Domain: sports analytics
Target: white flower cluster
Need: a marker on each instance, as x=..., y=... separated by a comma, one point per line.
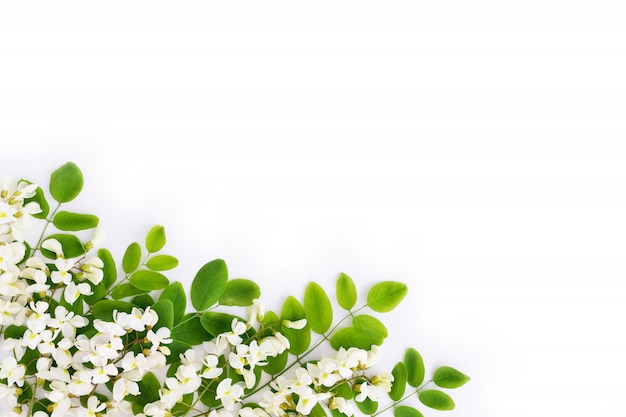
x=13, y=211
x=312, y=384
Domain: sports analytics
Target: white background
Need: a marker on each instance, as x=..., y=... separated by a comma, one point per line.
x=472, y=149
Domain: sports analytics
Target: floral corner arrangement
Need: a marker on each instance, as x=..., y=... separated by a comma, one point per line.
x=83, y=335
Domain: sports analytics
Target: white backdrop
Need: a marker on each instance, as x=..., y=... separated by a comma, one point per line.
x=472, y=149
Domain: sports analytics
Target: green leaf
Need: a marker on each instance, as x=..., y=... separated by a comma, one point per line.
x=131, y=258
x=176, y=294
x=351, y=337
x=149, y=280
x=64, y=220
x=109, y=269
x=317, y=411
x=165, y=311
x=209, y=284
x=216, y=323
x=346, y=292
x=406, y=411
x=14, y=332
x=207, y=395
x=66, y=183
x=155, y=240
x=190, y=331
x=299, y=340
x=182, y=408
x=317, y=308
x=240, y=292
x=276, y=364
x=126, y=290
x=99, y=291
x=39, y=198
x=367, y=406
x=176, y=348
x=415, y=367
x=162, y=263
x=447, y=377
x=370, y=326
x=72, y=247
x=103, y=309
x=398, y=386
x=386, y=295
x=149, y=387
x=143, y=301
x=436, y=399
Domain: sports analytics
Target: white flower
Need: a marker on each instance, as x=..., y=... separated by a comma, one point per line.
x=340, y=404
x=124, y=387
x=256, y=312
x=137, y=319
x=12, y=371
x=53, y=245
x=9, y=395
x=252, y=412
x=172, y=393
x=67, y=322
x=212, y=370
x=162, y=335
x=156, y=409
x=229, y=394
x=81, y=383
x=325, y=372
x=308, y=399
x=94, y=406
x=73, y=291
x=234, y=336
x=297, y=325
x=383, y=381
x=368, y=391
x=91, y=269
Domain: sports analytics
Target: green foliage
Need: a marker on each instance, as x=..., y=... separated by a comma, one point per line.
x=351, y=337
x=66, y=183
x=165, y=311
x=398, y=386
x=346, y=292
x=216, y=323
x=190, y=331
x=370, y=327
x=126, y=290
x=143, y=301
x=276, y=364
x=406, y=411
x=72, y=246
x=132, y=257
x=447, y=377
x=386, y=295
x=39, y=198
x=415, y=367
x=149, y=280
x=436, y=399
x=367, y=406
x=155, y=240
x=299, y=339
x=64, y=220
x=317, y=308
x=176, y=295
x=240, y=292
x=162, y=263
x=209, y=284
x=104, y=309
x=109, y=269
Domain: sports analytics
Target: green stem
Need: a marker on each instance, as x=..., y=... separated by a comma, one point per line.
x=48, y=221
x=395, y=404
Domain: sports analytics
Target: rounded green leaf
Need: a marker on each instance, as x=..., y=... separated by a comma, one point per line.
x=209, y=284
x=155, y=240
x=131, y=258
x=414, y=366
x=149, y=280
x=66, y=183
x=351, y=337
x=39, y=198
x=143, y=301
x=406, y=411
x=165, y=311
x=240, y=292
x=346, y=292
x=162, y=263
x=109, y=269
x=370, y=326
x=367, y=406
x=65, y=220
x=126, y=290
x=398, y=386
x=436, y=399
x=274, y=364
x=386, y=295
x=299, y=339
x=176, y=294
x=103, y=310
x=149, y=387
x=72, y=247
x=317, y=308
x=190, y=331
x=217, y=323
x=447, y=377
x=98, y=293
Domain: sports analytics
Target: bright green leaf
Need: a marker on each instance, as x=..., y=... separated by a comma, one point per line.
x=142, y=301
x=190, y=331
x=386, y=295
x=103, y=310
x=447, y=377
x=131, y=258
x=39, y=198
x=165, y=311
x=72, y=247
x=398, y=386
x=276, y=364
x=240, y=292
x=98, y=293
x=64, y=220
x=436, y=399
x=414, y=366
x=317, y=411
x=346, y=292
x=367, y=406
x=149, y=280
x=162, y=263
x=109, y=269
x=176, y=294
x=406, y=411
x=126, y=290
x=209, y=284
x=149, y=386
x=351, y=337
x=299, y=340
x=370, y=326
x=66, y=183
x=217, y=323
x=155, y=240
x=317, y=308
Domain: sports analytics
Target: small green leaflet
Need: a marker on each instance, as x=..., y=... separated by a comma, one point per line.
x=176, y=294
x=109, y=269
x=406, y=411
x=132, y=257
x=66, y=183
x=162, y=263
x=346, y=292
x=385, y=296
x=240, y=292
x=415, y=367
x=72, y=247
x=398, y=386
x=65, y=220
x=436, y=399
x=447, y=377
x=209, y=284
x=149, y=280
x=155, y=240
x=317, y=308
